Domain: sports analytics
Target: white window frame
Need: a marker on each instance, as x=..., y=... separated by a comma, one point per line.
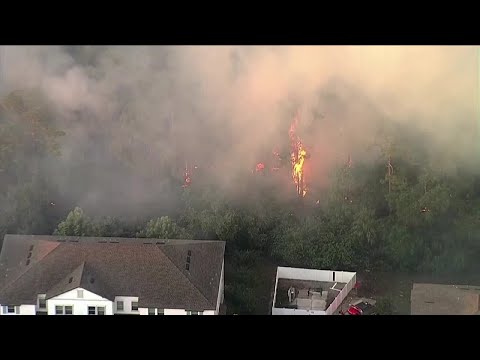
x=123, y=305
x=63, y=307
x=191, y=312
x=42, y=297
x=96, y=310
x=5, y=308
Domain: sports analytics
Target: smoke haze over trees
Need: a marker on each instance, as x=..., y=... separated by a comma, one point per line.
x=109, y=130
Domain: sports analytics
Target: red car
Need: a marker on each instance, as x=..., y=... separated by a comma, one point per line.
x=362, y=308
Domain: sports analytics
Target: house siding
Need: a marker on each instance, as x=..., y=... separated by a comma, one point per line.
x=20, y=310
x=127, y=305
x=80, y=306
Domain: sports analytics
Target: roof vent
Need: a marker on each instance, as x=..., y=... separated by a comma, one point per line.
x=188, y=259
x=29, y=255
x=114, y=242
x=187, y=267
x=189, y=252
x=70, y=280
x=74, y=241
x=147, y=243
x=160, y=243
x=31, y=248
x=102, y=241
x=92, y=280
x=61, y=240
x=28, y=262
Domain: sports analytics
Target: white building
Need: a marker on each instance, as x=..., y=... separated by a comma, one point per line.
x=105, y=276
x=310, y=292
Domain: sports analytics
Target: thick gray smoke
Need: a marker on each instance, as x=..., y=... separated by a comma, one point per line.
x=134, y=115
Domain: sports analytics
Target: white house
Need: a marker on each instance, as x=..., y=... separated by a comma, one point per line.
x=310, y=292
x=57, y=275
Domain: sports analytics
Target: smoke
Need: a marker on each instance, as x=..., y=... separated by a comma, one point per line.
x=133, y=115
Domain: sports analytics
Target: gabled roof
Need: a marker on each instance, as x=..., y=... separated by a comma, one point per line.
x=69, y=282
x=152, y=269
x=439, y=299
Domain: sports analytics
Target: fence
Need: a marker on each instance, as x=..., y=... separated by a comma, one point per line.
x=314, y=275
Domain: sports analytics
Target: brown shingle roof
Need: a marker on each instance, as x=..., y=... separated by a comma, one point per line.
x=438, y=299
x=154, y=270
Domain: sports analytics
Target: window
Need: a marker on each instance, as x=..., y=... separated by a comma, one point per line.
x=151, y=311
x=80, y=294
x=92, y=310
x=134, y=305
x=119, y=305
x=10, y=309
x=160, y=312
x=42, y=303
x=63, y=310
x=189, y=312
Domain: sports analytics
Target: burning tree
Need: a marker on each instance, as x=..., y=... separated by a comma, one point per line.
x=298, y=156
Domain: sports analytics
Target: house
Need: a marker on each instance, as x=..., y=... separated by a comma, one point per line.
x=310, y=292
x=58, y=275
x=439, y=299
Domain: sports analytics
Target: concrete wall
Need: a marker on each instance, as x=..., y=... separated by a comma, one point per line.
x=276, y=311
x=313, y=275
x=342, y=295
x=347, y=277
x=80, y=305
x=183, y=312
x=220, y=290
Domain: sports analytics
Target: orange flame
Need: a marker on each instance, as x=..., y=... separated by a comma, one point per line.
x=187, y=176
x=298, y=158
x=260, y=167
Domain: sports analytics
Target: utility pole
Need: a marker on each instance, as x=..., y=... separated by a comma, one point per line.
x=477, y=127
x=390, y=173
x=2, y=69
